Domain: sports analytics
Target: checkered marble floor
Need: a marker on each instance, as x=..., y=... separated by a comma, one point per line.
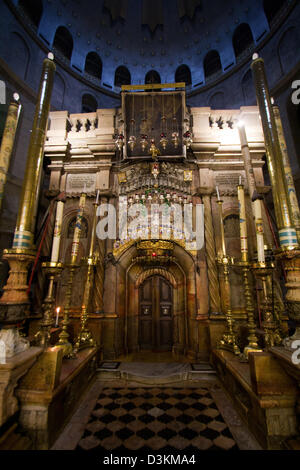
x=158, y=419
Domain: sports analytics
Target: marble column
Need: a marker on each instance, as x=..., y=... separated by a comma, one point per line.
x=212, y=269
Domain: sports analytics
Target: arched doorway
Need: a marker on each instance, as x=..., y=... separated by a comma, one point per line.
x=155, y=329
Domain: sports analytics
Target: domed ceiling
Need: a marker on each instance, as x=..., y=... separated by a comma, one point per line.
x=153, y=34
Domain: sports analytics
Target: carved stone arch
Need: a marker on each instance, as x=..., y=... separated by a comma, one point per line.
x=58, y=94
x=287, y=49
x=248, y=88
x=217, y=99
x=155, y=272
x=19, y=54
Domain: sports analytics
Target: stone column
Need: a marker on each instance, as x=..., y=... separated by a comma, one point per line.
x=8, y=140
x=212, y=269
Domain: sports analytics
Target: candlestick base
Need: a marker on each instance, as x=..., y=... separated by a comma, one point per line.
x=85, y=339
x=64, y=335
x=272, y=328
x=228, y=340
x=42, y=337
x=252, y=345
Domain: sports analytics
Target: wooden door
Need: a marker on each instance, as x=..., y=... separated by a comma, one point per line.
x=155, y=315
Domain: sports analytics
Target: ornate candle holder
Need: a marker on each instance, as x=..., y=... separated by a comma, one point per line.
x=263, y=271
x=85, y=338
x=252, y=338
x=64, y=335
x=228, y=340
x=42, y=337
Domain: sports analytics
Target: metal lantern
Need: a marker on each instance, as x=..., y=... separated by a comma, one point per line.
x=175, y=139
x=132, y=142
x=163, y=140
x=187, y=139
x=144, y=142
x=119, y=141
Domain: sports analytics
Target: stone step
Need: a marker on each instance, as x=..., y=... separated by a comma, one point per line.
x=155, y=373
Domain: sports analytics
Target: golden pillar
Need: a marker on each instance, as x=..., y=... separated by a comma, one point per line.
x=7, y=142
x=295, y=212
x=23, y=250
x=287, y=233
x=289, y=253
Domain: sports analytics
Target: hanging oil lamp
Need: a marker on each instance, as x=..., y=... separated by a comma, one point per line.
x=175, y=133
x=132, y=138
x=144, y=142
x=163, y=140
x=175, y=139
x=163, y=131
x=154, y=150
x=187, y=139
x=119, y=141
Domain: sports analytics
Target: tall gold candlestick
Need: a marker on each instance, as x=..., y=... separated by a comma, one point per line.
x=287, y=233
x=23, y=252
x=295, y=212
x=252, y=338
x=243, y=223
x=64, y=335
x=57, y=231
x=256, y=200
x=263, y=271
x=77, y=231
x=7, y=142
x=228, y=340
x=42, y=337
x=220, y=204
x=24, y=232
x=85, y=338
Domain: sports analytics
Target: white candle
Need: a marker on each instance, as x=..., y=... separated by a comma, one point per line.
x=240, y=181
x=57, y=232
x=218, y=194
x=76, y=238
x=97, y=198
x=259, y=231
x=243, y=222
x=57, y=315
